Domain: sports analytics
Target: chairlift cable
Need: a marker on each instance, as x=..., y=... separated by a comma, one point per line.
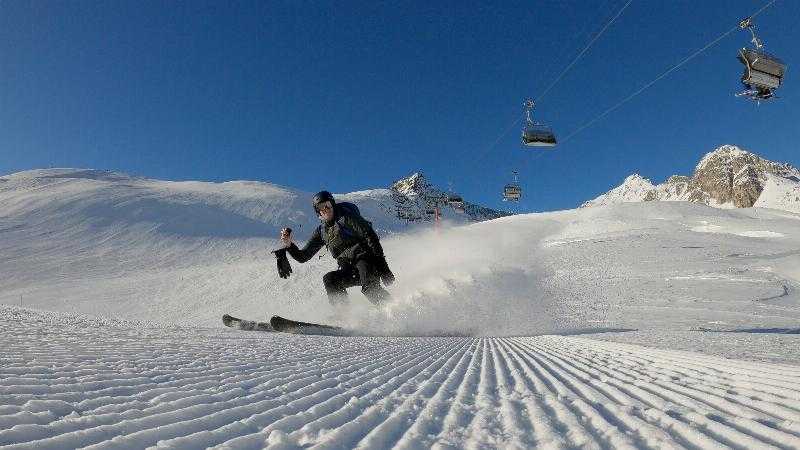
x=486, y=151
x=664, y=74
x=762, y=9
x=574, y=44
x=533, y=158
x=585, y=49
x=570, y=65
x=496, y=141
x=722, y=36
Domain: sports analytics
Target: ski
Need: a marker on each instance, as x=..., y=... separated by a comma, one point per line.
x=284, y=325
x=247, y=325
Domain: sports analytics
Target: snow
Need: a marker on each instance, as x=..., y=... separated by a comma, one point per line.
x=633, y=189
x=780, y=193
x=635, y=325
x=710, y=228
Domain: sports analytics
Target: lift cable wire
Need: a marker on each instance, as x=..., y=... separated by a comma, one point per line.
x=623, y=101
x=585, y=49
x=484, y=153
x=573, y=46
x=566, y=69
x=684, y=61
x=664, y=74
x=517, y=120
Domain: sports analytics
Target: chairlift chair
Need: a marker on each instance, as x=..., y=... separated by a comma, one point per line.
x=763, y=73
x=456, y=202
x=536, y=134
x=512, y=192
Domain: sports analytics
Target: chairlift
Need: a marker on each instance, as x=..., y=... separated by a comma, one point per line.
x=763, y=73
x=512, y=192
x=536, y=134
x=455, y=201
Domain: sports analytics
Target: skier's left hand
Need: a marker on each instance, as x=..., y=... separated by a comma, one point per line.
x=387, y=278
x=284, y=268
x=383, y=268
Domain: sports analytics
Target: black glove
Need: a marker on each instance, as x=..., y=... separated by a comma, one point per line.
x=284, y=268
x=383, y=269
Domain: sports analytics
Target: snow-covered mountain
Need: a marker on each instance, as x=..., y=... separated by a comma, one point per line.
x=633, y=189
x=416, y=200
x=727, y=177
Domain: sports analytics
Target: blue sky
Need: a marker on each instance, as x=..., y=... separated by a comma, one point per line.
x=352, y=95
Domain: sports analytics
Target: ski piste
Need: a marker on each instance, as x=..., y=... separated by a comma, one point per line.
x=283, y=325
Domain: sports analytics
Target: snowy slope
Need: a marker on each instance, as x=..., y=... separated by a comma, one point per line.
x=101, y=242
x=780, y=193
x=180, y=252
x=113, y=288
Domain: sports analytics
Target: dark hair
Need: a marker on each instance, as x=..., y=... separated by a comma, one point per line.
x=322, y=197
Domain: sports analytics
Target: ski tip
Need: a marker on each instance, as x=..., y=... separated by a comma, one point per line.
x=228, y=320
x=246, y=325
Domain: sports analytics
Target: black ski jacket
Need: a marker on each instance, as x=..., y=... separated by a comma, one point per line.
x=349, y=237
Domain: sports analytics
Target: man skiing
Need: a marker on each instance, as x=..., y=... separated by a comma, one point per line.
x=352, y=242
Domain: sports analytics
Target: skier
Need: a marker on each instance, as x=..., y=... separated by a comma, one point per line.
x=352, y=242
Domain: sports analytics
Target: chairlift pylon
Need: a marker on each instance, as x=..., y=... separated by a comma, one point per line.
x=763, y=73
x=536, y=134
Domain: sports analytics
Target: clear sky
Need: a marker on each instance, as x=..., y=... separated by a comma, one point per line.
x=353, y=95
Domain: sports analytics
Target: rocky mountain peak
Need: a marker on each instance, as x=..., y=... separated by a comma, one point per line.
x=732, y=175
x=416, y=199
x=728, y=176
x=724, y=155
x=414, y=184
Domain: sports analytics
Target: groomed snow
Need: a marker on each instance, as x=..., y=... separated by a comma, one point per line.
x=639, y=325
x=71, y=382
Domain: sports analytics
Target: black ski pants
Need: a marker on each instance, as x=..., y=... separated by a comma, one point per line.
x=363, y=274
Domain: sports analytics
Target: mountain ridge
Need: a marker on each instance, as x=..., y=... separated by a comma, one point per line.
x=204, y=208
x=423, y=202
x=727, y=177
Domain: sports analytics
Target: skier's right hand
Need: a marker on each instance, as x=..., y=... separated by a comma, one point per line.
x=286, y=237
